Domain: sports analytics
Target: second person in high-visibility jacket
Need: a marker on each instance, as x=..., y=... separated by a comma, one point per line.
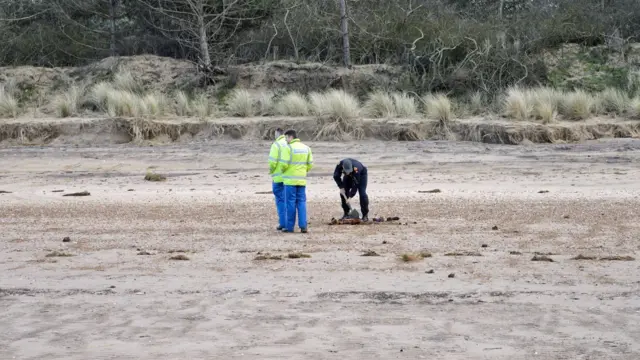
x=275, y=157
x=297, y=161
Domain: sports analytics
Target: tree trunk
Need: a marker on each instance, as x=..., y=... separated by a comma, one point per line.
x=500, y=9
x=204, y=41
x=112, y=14
x=346, y=53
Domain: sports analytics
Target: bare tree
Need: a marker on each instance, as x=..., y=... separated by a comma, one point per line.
x=344, y=26
x=198, y=23
x=113, y=4
x=89, y=23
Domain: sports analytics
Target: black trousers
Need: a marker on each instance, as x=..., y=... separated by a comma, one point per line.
x=360, y=188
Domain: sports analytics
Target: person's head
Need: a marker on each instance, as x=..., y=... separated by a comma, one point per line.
x=279, y=132
x=290, y=135
x=347, y=166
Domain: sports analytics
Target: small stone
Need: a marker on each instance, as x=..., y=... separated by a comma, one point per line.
x=566, y=216
x=112, y=287
x=430, y=271
x=452, y=275
x=485, y=245
x=66, y=239
x=370, y=253
x=384, y=242
x=495, y=227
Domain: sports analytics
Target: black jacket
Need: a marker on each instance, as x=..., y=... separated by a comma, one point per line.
x=358, y=171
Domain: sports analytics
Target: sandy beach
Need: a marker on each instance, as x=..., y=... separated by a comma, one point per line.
x=118, y=294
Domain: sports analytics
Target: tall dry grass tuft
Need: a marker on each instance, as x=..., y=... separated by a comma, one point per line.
x=125, y=81
x=183, y=105
x=116, y=102
x=155, y=104
x=293, y=104
x=202, y=106
x=264, y=104
x=405, y=105
x=544, y=102
x=438, y=107
x=338, y=112
x=545, y=111
x=516, y=104
x=577, y=105
x=633, y=83
x=634, y=107
x=476, y=103
x=240, y=103
x=9, y=106
x=335, y=105
x=69, y=103
x=124, y=103
x=99, y=95
x=613, y=101
x=379, y=104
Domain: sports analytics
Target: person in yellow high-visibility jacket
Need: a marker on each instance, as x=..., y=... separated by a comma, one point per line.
x=297, y=161
x=275, y=157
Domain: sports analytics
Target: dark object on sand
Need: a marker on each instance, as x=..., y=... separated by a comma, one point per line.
x=82, y=193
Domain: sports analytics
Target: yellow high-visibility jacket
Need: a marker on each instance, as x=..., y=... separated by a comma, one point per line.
x=297, y=161
x=275, y=158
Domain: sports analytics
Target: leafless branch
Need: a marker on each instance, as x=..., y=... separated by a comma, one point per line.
x=23, y=18
x=275, y=28
x=293, y=42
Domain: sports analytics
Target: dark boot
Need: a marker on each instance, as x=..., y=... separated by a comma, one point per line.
x=303, y=230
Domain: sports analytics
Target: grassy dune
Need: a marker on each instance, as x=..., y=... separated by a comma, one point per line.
x=535, y=114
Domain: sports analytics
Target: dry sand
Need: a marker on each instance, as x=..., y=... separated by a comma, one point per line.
x=107, y=302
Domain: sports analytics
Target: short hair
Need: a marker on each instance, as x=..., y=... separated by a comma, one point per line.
x=291, y=132
x=279, y=131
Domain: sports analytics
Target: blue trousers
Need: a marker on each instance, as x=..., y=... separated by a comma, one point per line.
x=278, y=192
x=296, y=199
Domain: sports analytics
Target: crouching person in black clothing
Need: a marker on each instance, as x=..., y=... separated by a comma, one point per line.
x=355, y=180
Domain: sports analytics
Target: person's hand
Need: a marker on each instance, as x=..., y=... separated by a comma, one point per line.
x=343, y=192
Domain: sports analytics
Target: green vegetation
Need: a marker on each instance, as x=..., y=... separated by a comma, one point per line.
x=449, y=46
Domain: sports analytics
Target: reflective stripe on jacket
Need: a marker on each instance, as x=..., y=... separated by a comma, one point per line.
x=275, y=158
x=297, y=161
